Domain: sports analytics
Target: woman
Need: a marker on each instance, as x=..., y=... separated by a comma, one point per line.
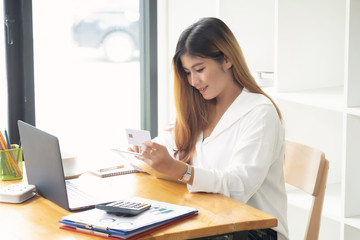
x=228, y=137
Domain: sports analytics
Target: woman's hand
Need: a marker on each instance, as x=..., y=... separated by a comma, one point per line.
x=158, y=157
x=134, y=149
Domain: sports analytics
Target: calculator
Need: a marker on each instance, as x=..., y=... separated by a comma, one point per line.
x=124, y=207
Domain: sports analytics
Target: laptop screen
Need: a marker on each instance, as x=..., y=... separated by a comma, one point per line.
x=43, y=163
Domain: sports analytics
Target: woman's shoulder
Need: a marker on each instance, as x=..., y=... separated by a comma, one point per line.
x=259, y=106
x=257, y=98
x=247, y=102
x=264, y=111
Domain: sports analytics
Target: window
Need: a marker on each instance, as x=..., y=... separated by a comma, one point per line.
x=66, y=60
x=87, y=71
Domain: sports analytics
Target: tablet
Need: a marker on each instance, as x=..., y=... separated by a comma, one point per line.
x=126, y=152
x=142, y=166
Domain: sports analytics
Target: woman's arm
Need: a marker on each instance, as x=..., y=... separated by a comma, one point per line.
x=250, y=159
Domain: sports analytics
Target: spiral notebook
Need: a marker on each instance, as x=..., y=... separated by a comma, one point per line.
x=114, y=171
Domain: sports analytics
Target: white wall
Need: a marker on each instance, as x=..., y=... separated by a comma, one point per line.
x=253, y=25
x=310, y=34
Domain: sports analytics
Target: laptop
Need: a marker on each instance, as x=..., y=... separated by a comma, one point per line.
x=44, y=169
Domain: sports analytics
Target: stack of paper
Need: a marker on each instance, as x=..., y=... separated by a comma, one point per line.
x=98, y=222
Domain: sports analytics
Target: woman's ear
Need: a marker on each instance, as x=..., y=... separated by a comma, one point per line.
x=227, y=63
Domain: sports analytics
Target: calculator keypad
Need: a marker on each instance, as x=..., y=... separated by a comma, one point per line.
x=124, y=207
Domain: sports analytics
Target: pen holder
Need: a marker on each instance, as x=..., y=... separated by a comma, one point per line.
x=11, y=166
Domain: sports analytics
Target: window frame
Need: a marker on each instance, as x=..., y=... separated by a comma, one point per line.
x=19, y=64
x=149, y=66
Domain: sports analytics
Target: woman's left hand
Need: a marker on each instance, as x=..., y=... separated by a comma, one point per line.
x=157, y=156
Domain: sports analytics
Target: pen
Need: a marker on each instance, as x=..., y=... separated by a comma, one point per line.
x=7, y=140
x=111, y=168
x=3, y=142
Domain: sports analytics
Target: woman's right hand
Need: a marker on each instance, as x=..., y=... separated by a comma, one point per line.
x=158, y=157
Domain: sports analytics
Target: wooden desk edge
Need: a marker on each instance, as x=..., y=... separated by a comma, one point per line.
x=179, y=230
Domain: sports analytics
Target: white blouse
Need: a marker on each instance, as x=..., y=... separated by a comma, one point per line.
x=243, y=157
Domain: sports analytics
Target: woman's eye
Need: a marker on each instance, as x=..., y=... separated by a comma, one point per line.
x=187, y=73
x=200, y=70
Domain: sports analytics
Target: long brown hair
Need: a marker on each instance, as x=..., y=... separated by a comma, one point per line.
x=207, y=38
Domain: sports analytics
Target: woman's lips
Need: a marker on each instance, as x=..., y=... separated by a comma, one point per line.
x=203, y=90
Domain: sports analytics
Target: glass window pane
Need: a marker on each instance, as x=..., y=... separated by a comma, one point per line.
x=3, y=81
x=87, y=71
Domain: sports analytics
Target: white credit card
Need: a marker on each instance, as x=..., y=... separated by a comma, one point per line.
x=137, y=137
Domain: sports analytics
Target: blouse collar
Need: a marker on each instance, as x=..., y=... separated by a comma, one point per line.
x=244, y=103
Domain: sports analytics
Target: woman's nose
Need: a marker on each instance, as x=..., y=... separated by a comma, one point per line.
x=193, y=80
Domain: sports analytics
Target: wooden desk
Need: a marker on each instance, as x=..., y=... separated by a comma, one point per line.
x=38, y=218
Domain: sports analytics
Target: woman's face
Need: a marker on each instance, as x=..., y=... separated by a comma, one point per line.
x=209, y=77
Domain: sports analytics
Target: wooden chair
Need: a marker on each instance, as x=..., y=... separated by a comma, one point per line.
x=306, y=168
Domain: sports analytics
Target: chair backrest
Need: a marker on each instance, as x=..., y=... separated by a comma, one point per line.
x=306, y=168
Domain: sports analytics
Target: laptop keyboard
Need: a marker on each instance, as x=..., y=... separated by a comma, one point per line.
x=78, y=197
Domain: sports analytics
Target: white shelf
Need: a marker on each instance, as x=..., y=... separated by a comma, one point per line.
x=326, y=98
x=353, y=111
x=317, y=89
x=332, y=201
x=332, y=207
x=353, y=221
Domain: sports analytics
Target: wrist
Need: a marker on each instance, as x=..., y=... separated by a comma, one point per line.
x=187, y=175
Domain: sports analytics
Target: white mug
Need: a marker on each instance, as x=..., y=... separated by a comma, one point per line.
x=69, y=164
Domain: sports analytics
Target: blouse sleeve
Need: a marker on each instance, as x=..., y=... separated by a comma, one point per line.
x=251, y=158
